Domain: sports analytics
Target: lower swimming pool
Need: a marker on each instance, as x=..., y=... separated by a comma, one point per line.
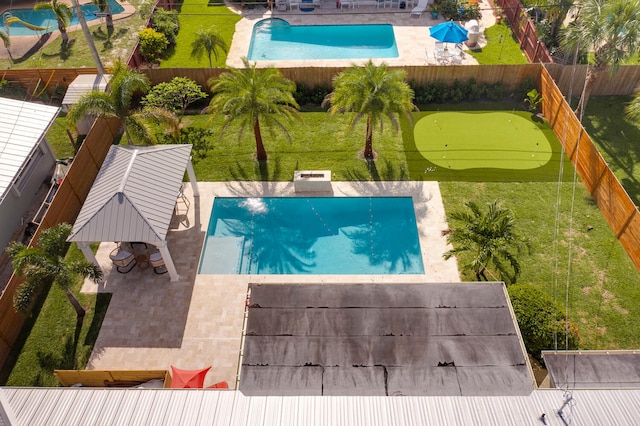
x=315, y=235
x=46, y=18
x=276, y=39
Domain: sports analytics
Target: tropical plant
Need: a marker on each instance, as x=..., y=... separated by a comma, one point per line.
x=534, y=99
x=62, y=13
x=152, y=44
x=175, y=95
x=489, y=238
x=118, y=103
x=250, y=96
x=373, y=92
x=45, y=264
x=549, y=15
x=208, y=41
x=609, y=28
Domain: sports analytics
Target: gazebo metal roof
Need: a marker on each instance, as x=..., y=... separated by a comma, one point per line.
x=134, y=195
x=133, y=198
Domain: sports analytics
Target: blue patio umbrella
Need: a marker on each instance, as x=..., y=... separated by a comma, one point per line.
x=448, y=32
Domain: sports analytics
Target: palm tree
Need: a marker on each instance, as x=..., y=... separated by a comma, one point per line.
x=490, y=238
x=249, y=96
x=104, y=7
x=208, y=40
x=45, y=264
x=63, y=16
x=373, y=92
x=632, y=110
x=118, y=103
x=609, y=28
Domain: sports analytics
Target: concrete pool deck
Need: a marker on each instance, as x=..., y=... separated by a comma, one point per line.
x=197, y=321
x=411, y=33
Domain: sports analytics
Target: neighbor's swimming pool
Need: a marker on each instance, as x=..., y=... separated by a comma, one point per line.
x=46, y=18
x=276, y=39
x=315, y=235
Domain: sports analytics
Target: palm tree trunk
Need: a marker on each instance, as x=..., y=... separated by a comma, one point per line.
x=80, y=312
x=261, y=153
x=109, y=19
x=368, y=144
x=592, y=77
x=87, y=36
x=63, y=32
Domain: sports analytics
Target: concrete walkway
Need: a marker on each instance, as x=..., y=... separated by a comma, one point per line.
x=198, y=321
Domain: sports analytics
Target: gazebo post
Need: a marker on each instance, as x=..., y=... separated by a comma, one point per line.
x=88, y=254
x=192, y=178
x=168, y=261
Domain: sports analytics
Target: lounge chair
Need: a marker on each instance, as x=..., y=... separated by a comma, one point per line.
x=123, y=260
x=421, y=8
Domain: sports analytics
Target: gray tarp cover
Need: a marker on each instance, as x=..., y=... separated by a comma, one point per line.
x=398, y=339
x=593, y=370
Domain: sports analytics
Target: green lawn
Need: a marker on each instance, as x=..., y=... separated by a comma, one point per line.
x=501, y=48
x=194, y=15
x=604, y=285
x=77, y=53
x=52, y=340
x=616, y=138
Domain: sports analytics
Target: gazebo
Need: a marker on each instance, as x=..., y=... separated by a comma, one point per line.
x=133, y=198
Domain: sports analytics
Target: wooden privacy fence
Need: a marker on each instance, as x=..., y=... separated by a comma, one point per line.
x=624, y=82
x=525, y=31
x=614, y=202
x=570, y=79
x=64, y=208
x=509, y=75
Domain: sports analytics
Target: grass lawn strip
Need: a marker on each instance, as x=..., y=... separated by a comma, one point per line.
x=194, y=15
x=501, y=48
x=55, y=342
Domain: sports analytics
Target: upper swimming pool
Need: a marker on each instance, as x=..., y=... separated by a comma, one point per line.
x=46, y=20
x=276, y=39
x=315, y=235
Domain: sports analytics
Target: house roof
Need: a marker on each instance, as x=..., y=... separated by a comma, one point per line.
x=134, y=194
x=84, y=84
x=593, y=369
x=395, y=340
x=22, y=125
x=82, y=406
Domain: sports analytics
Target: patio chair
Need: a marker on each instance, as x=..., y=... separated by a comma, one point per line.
x=182, y=198
x=293, y=3
x=420, y=8
x=348, y=3
x=157, y=263
x=123, y=260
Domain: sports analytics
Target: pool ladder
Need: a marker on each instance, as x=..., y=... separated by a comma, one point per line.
x=5, y=17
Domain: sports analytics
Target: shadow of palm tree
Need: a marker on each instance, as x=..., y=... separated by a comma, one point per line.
x=380, y=243
x=273, y=245
x=33, y=49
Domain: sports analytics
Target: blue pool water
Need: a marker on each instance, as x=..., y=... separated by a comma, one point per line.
x=275, y=39
x=316, y=235
x=46, y=18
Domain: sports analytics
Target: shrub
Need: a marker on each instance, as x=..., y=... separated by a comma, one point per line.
x=199, y=138
x=540, y=320
x=166, y=22
x=305, y=95
x=152, y=44
x=175, y=95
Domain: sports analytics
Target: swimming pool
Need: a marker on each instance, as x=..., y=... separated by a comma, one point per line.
x=276, y=39
x=46, y=18
x=315, y=235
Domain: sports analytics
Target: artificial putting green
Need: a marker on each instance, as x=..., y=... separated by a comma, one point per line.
x=478, y=139
x=482, y=146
